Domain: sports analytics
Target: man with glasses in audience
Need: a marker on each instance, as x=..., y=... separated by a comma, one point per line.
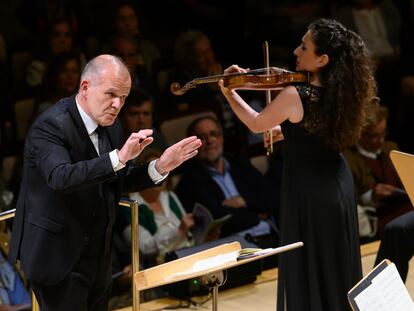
x=226, y=184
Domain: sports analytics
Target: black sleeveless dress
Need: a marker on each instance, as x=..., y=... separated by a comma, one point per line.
x=319, y=208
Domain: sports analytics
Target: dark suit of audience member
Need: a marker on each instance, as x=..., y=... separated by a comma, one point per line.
x=397, y=243
x=75, y=170
x=225, y=184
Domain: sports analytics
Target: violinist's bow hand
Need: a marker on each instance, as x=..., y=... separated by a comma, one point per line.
x=277, y=135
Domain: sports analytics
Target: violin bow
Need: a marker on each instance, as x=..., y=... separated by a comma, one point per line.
x=269, y=149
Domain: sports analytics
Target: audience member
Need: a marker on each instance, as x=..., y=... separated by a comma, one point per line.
x=128, y=21
x=379, y=25
x=138, y=113
x=61, y=80
x=125, y=46
x=13, y=293
x=60, y=39
x=377, y=22
x=163, y=223
x=397, y=243
x=194, y=57
x=376, y=180
x=226, y=185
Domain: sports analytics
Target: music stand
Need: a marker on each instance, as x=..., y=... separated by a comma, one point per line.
x=404, y=165
x=208, y=264
x=380, y=290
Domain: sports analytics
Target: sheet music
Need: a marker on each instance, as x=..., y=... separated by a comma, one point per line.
x=387, y=292
x=215, y=261
x=205, y=264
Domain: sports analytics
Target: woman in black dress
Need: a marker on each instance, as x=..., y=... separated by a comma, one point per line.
x=318, y=120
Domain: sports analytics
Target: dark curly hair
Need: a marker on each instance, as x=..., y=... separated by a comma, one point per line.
x=348, y=85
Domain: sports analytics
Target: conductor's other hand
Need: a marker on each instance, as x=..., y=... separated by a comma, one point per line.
x=277, y=135
x=134, y=145
x=175, y=155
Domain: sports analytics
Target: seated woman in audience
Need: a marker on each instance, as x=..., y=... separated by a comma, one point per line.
x=62, y=80
x=60, y=39
x=163, y=223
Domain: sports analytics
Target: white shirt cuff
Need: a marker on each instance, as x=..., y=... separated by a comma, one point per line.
x=116, y=164
x=154, y=174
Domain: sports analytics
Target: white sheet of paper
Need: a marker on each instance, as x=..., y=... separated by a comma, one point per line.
x=206, y=264
x=387, y=292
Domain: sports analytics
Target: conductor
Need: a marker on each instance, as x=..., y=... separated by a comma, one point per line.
x=75, y=169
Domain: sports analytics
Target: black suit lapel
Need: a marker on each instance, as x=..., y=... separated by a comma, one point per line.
x=80, y=126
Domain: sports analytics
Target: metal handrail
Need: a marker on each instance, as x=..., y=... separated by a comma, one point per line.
x=133, y=204
x=7, y=214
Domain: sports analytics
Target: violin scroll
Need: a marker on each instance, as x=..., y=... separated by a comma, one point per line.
x=176, y=88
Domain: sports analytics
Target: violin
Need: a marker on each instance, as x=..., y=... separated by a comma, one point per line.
x=271, y=78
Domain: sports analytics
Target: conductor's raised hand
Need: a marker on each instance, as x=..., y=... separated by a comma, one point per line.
x=175, y=155
x=134, y=145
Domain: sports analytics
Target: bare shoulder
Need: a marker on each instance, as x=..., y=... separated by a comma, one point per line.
x=290, y=89
x=289, y=97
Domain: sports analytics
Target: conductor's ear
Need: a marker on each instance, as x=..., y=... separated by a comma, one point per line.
x=84, y=87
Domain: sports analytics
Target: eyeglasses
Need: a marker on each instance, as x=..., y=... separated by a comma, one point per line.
x=204, y=137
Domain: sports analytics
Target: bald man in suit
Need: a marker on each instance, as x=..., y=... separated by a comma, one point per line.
x=75, y=169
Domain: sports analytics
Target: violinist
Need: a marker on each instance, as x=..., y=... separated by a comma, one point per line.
x=317, y=120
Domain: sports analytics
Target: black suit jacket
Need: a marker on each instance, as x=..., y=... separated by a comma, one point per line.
x=68, y=193
x=197, y=185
